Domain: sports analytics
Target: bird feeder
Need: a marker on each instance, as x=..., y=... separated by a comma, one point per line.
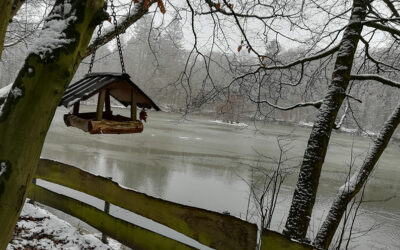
x=103, y=121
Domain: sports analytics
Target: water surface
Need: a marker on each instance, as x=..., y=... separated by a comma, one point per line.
x=204, y=164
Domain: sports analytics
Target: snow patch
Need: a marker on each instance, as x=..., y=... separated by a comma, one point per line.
x=231, y=124
x=3, y=168
x=306, y=124
x=350, y=185
x=348, y=130
x=16, y=92
x=5, y=90
x=3, y=95
x=67, y=7
x=39, y=229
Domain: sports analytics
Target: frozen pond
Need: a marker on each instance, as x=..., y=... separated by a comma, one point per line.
x=202, y=163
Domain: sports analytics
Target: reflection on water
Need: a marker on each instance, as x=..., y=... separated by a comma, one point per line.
x=203, y=164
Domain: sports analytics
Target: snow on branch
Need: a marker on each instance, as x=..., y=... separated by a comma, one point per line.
x=316, y=104
x=53, y=35
x=380, y=20
x=3, y=96
x=137, y=11
x=383, y=80
x=339, y=124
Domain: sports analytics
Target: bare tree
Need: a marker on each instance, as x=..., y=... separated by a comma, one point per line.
x=356, y=182
x=266, y=183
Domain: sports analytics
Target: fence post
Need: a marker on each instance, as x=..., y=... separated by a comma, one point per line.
x=32, y=201
x=107, y=211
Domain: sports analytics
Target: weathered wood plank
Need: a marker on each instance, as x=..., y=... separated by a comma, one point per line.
x=76, y=108
x=100, y=105
x=130, y=235
x=108, y=103
x=115, y=127
x=133, y=106
x=77, y=122
x=209, y=228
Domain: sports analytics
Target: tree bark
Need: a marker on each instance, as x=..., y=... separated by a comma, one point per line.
x=356, y=182
x=5, y=11
x=29, y=108
x=306, y=189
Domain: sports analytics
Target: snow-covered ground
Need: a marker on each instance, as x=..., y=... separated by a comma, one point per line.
x=39, y=229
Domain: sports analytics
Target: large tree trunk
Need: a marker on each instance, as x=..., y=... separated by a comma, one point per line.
x=5, y=12
x=306, y=189
x=29, y=108
x=356, y=182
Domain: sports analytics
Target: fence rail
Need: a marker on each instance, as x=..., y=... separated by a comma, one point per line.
x=212, y=229
x=130, y=235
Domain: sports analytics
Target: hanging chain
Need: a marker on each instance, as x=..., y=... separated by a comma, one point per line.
x=96, y=44
x=121, y=57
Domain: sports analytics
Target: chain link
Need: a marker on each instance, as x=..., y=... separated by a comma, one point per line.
x=96, y=44
x=121, y=57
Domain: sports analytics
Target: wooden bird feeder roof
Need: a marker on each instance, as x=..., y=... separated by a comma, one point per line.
x=118, y=85
x=106, y=85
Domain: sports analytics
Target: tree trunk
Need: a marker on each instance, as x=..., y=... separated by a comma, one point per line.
x=5, y=12
x=356, y=182
x=29, y=108
x=306, y=189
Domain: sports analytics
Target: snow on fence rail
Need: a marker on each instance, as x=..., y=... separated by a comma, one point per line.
x=212, y=229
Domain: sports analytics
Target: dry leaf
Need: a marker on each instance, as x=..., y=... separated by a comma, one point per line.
x=239, y=48
x=249, y=49
x=146, y=4
x=135, y=1
x=109, y=19
x=262, y=58
x=217, y=6
x=161, y=6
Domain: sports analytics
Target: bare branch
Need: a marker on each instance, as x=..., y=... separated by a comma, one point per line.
x=304, y=60
x=383, y=80
x=383, y=28
x=392, y=8
x=316, y=104
x=137, y=12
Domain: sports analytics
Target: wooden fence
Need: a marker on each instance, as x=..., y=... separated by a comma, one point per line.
x=212, y=229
